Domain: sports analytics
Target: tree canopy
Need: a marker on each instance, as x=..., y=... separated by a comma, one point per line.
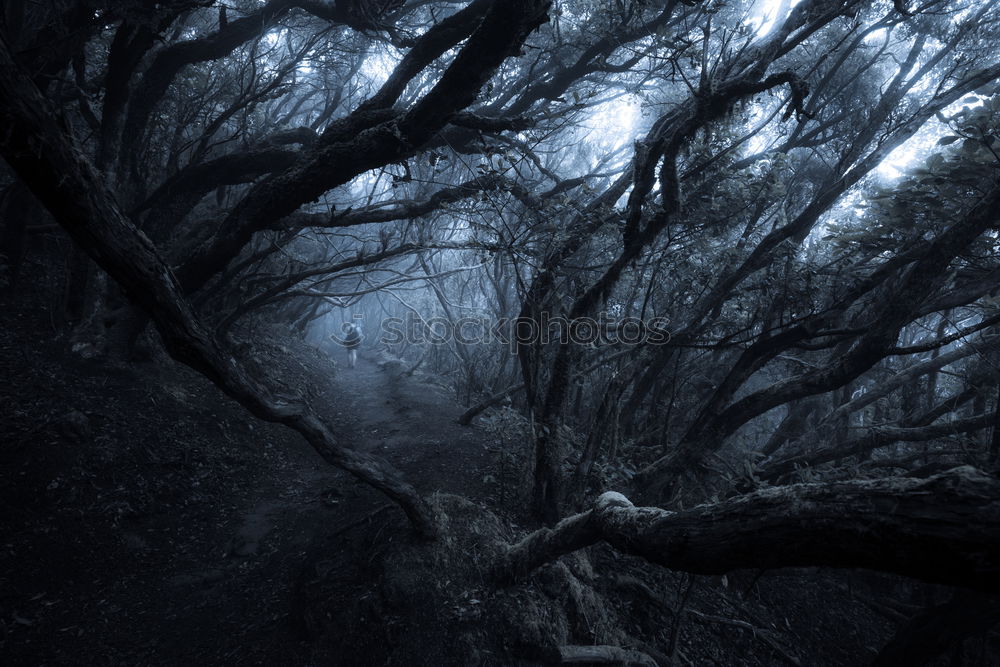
x=795, y=205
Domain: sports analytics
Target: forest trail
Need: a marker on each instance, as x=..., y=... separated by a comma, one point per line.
x=303, y=501
x=407, y=422
x=412, y=424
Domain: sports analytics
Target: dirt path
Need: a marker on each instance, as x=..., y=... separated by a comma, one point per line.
x=410, y=423
x=413, y=425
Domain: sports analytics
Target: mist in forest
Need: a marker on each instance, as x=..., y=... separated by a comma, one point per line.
x=500, y=332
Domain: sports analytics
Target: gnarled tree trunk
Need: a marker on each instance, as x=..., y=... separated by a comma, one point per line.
x=944, y=529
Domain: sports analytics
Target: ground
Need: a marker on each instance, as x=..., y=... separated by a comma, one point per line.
x=132, y=527
x=146, y=519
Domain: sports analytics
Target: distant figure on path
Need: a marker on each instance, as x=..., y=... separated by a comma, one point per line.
x=351, y=341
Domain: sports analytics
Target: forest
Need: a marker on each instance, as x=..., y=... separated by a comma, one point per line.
x=500, y=332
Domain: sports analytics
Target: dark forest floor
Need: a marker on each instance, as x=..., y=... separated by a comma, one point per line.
x=146, y=519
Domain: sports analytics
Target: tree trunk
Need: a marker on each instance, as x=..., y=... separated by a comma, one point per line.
x=943, y=529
